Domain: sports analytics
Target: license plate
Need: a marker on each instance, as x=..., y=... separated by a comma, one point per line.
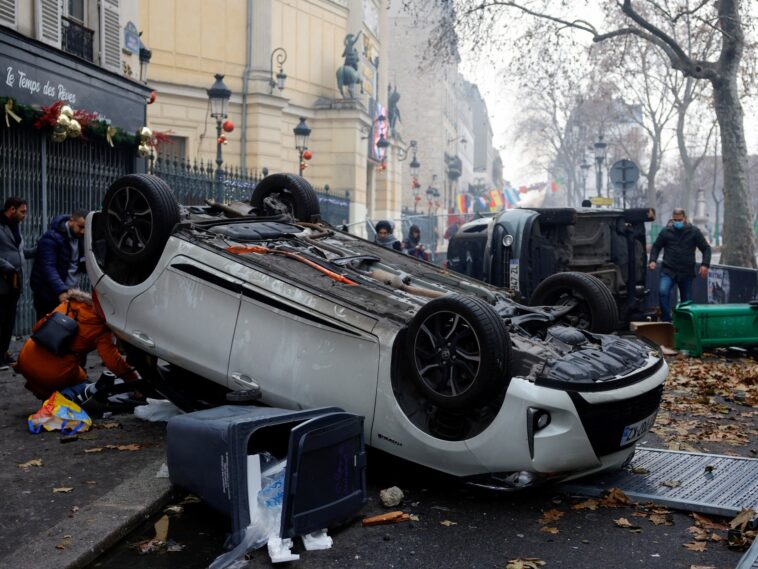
x=637, y=430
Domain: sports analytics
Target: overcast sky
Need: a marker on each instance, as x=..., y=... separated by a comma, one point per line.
x=501, y=97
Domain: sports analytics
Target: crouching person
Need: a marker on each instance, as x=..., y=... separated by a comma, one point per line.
x=46, y=372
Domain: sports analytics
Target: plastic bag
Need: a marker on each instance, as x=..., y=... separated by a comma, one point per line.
x=266, y=519
x=59, y=413
x=156, y=410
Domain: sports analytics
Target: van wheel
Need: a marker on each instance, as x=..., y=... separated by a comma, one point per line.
x=459, y=351
x=595, y=310
x=140, y=213
x=288, y=194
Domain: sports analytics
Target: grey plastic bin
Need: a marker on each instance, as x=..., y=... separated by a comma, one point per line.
x=325, y=478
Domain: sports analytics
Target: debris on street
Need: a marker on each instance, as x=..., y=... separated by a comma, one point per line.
x=388, y=518
x=391, y=497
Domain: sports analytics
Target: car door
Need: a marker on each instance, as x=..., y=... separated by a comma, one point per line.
x=188, y=317
x=303, y=350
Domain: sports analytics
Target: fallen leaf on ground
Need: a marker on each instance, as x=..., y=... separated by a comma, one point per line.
x=695, y=546
x=96, y=449
x=671, y=483
x=640, y=470
x=623, y=523
x=526, y=563
x=742, y=519
x=448, y=523
x=659, y=519
x=130, y=447
x=74, y=510
x=698, y=534
x=62, y=490
x=550, y=530
x=614, y=498
x=30, y=463
x=161, y=529
x=551, y=516
x=707, y=522
x=414, y=518
x=586, y=505
x=65, y=542
x=109, y=425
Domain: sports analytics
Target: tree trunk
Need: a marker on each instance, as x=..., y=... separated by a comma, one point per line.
x=739, y=245
x=688, y=169
x=652, y=170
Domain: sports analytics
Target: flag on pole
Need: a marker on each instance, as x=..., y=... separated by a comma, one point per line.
x=496, y=200
x=463, y=203
x=511, y=197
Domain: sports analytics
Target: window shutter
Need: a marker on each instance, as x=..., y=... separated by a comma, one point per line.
x=47, y=15
x=8, y=13
x=110, y=35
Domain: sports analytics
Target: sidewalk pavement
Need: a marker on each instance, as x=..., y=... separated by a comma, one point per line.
x=86, y=495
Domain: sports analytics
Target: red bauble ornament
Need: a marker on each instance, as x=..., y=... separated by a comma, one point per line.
x=307, y=155
x=221, y=139
x=228, y=126
x=151, y=99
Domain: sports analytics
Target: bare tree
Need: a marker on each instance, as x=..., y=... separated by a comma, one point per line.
x=655, y=22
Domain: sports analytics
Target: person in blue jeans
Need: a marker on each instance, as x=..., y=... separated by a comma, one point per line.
x=678, y=239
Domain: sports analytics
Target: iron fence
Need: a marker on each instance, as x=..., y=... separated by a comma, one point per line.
x=334, y=209
x=55, y=178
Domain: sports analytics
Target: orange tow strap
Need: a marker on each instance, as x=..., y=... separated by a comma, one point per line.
x=242, y=249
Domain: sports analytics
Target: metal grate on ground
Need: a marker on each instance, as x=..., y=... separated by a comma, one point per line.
x=695, y=482
x=750, y=559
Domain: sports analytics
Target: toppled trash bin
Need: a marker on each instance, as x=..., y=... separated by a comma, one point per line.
x=230, y=454
x=703, y=326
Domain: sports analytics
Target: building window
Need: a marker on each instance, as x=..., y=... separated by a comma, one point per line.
x=77, y=39
x=175, y=149
x=76, y=10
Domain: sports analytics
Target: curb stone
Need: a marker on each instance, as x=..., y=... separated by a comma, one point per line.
x=97, y=526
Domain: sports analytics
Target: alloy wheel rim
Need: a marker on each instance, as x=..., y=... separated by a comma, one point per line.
x=447, y=354
x=130, y=220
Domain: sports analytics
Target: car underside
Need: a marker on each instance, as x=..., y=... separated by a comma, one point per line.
x=299, y=314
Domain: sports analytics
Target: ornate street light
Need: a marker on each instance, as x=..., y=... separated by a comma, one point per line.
x=302, y=132
x=144, y=60
x=219, y=95
x=600, y=152
x=281, y=76
x=584, y=172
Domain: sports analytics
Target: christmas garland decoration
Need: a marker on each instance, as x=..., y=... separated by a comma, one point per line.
x=64, y=122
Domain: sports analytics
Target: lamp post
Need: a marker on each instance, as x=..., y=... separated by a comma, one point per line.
x=144, y=60
x=219, y=95
x=600, y=150
x=281, y=56
x=302, y=132
x=584, y=172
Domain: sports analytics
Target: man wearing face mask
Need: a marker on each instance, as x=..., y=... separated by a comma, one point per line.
x=678, y=241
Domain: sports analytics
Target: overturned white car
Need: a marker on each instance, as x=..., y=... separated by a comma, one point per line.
x=263, y=304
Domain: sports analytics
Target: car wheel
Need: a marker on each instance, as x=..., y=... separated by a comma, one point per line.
x=595, y=309
x=140, y=213
x=288, y=194
x=459, y=351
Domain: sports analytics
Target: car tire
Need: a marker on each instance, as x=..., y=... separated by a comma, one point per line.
x=286, y=193
x=140, y=212
x=459, y=351
x=596, y=310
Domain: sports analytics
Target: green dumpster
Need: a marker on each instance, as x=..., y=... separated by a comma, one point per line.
x=702, y=326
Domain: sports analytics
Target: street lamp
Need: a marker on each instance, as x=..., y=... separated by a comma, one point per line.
x=219, y=95
x=281, y=76
x=584, y=172
x=144, y=60
x=302, y=132
x=600, y=151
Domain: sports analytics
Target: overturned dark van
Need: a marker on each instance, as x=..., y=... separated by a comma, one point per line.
x=591, y=258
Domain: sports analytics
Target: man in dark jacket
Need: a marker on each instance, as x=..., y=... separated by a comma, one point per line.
x=12, y=255
x=678, y=241
x=58, y=262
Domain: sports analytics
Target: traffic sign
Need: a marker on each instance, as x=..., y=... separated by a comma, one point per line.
x=624, y=174
x=598, y=200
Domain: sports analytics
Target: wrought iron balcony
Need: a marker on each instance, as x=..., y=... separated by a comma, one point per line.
x=77, y=40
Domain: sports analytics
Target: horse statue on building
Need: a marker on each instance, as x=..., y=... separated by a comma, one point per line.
x=348, y=74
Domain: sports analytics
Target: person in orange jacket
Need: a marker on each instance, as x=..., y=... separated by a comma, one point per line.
x=46, y=373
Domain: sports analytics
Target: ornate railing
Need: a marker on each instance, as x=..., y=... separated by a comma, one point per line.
x=76, y=39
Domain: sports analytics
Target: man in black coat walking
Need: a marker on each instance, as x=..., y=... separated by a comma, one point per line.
x=678, y=241
x=12, y=255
